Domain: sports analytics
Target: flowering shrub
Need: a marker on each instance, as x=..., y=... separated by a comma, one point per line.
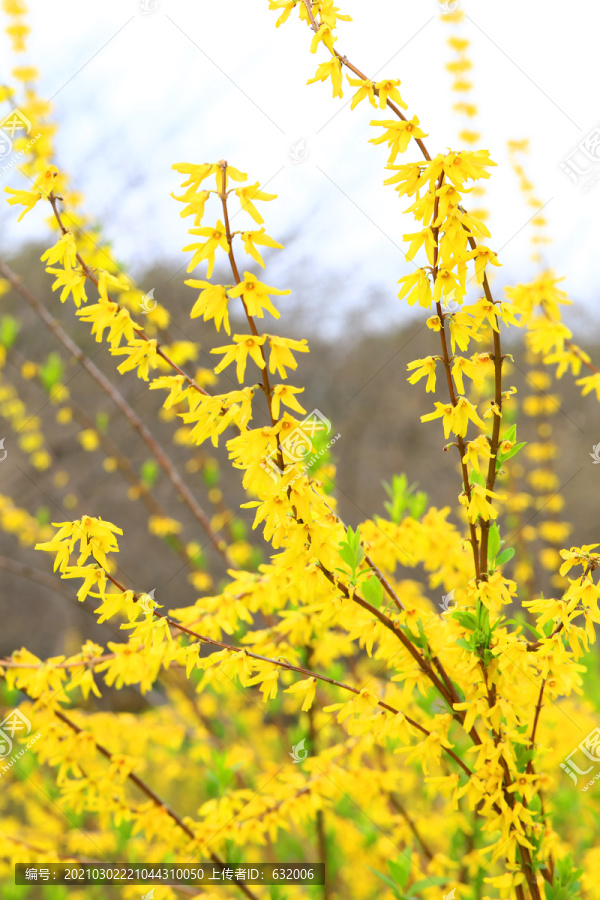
x=317, y=706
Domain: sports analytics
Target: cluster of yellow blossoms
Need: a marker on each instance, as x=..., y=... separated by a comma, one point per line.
x=434, y=754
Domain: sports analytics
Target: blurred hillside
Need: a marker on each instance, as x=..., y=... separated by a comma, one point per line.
x=359, y=383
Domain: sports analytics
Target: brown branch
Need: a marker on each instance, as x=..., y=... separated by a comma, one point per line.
x=117, y=398
x=446, y=360
x=53, y=199
x=538, y=709
x=147, y=790
x=284, y=664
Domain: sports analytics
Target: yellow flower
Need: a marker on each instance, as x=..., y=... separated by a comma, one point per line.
x=109, y=315
x=416, y=286
x=63, y=252
x=245, y=345
x=198, y=172
x=482, y=256
x=281, y=356
x=286, y=5
x=455, y=418
x=26, y=73
x=28, y=199
x=398, y=134
x=140, y=354
x=72, y=281
x=195, y=204
x=107, y=280
x=325, y=35
x=469, y=367
x=590, y=383
x=478, y=447
x=447, y=284
x=332, y=68
x=212, y=302
x=425, y=238
x=95, y=537
x=89, y=439
x=216, y=238
x=29, y=370
x=284, y=393
x=366, y=88
x=387, y=90
x=250, y=238
x=307, y=687
x=463, y=412
x=256, y=295
x=163, y=526
x=42, y=188
x=479, y=505
x=252, y=192
x=407, y=178
x=424, y=367
x=468, y=164
x=442, y=409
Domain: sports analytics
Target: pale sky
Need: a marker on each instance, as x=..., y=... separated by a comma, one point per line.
x=198, y=81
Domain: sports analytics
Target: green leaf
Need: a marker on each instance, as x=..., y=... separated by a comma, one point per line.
x=351, y=551
x=386, y=880
x=42, y=514
x=347, y=555
x=466, y=619
x=494, y=542
x=400, y=868
x=404, y=498
x=210, y=473
x=102, y=420
x=505, y=556
x=51, y=371
x=372, y=591
x=149, y=472
x=477, y=478
x=417, y=504
x=466, y=645
x=9, y=329
x=427, y=883
x=511, y=434
x=239, y=529
x=512, y=452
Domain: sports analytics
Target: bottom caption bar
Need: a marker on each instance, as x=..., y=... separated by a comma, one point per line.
x=171, y=874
